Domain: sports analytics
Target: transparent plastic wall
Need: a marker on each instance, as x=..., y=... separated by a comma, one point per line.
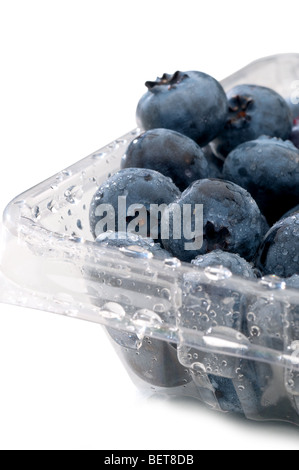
x=231, y=343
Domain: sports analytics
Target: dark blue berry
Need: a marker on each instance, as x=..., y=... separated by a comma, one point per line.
x=264, y=326
x=192, y=103
x=293, y=211
x=232, y=220
x=293, y=283
x=226, y=394
x=279, y=251
x=237, y=265
x=171, y=153
x=272, y=326
x=152, y=360
x=253, y=111
x=269, y=169
x=209, y=304
x=138, y=186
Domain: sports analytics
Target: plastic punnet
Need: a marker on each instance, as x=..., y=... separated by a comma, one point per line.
x=179, y=330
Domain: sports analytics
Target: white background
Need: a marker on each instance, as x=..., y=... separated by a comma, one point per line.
x=71, y=75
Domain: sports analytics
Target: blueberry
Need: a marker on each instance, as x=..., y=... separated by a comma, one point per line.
x=133, y=245
x=269, y=169
x=294, y=137
x=264, y=322
x=227, y=314
x=115, y=290
x=268, y=327
x=226, y=394
x=253, y=111
x=293, y=283
x=192, y=103
x=279, y=251
x=172, y=154
x=136, y=186
x=215, y=164
x=151, y=360
x=292, y=211
x=156, y=363
x=292, y=332
x=237, y=265
x=231, y=221
x=210, y=305
x=204, y=291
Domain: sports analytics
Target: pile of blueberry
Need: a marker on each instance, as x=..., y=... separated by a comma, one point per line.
x=236, y=154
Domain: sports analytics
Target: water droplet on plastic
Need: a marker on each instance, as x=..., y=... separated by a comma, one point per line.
x=217, y=273
x=205, y=318
x=121, y=141
x=113, y=310
x=159, y=308
x=63, y=175
x=52, y=206
x=146, y=318
x=166, y=294
x=136, y=251
x=204, y=304
x=255, y=331
x=113, y=145
x=251, y=317
x=98, y=155
x=73, y=194
x=172, y=263
x=273, y=282
x=291, y=383
x=36, y=212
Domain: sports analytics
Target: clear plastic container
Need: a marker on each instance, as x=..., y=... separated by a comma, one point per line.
x=178, y=330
